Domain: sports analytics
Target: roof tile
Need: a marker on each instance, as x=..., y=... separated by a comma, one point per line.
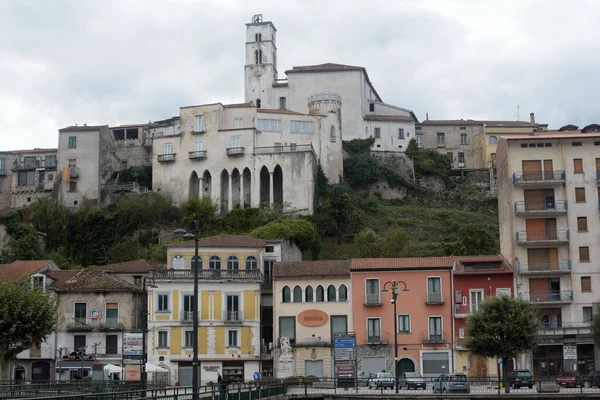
x=311, y=268
x=224, y=241
x=140, y=265
x=18, y=269
x=93, y=280
x=461, y=261
x=400, y=263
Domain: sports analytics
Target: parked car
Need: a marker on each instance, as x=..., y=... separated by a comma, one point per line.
x=381, y=380
x=594, y=379
x=451, y=383
x=411, y=380
x=570, y=379
x=520, y=378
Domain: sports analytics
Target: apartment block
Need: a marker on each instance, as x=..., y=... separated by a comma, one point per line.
x=548, y=185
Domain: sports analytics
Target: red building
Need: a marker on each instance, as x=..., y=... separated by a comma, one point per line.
x=475, y=278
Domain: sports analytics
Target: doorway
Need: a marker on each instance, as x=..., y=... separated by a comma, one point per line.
x=404, y=365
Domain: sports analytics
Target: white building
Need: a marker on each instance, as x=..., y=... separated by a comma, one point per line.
x=364, y=114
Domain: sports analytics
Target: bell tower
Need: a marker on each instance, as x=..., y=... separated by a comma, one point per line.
x=260, y=71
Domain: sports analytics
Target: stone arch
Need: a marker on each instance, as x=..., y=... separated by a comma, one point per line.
x=278, y=186
x=309, y=294
x=343, y=293
x=405, y=364
x=236, y=194
x=297, y=294
x=206, y=185
x=331, y=293
x=19, y=373
x=258, y=104
x=265, y=186
x=194, y=186
x=224, y=191
x=247, y=186
x=286, y=294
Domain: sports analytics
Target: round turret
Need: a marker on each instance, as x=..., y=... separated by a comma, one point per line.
x=323, y=103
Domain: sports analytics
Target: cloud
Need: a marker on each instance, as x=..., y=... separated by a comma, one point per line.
x=131, y=61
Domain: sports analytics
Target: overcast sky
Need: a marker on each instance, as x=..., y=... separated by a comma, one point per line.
x=110, y=62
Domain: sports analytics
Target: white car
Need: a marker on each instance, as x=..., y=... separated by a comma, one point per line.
x=381, y=380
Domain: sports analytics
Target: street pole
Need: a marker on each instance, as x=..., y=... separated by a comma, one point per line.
x=195, y=316
x=393, y=284
x=145, y=331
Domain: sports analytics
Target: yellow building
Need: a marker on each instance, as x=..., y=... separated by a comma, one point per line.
x=232, y=276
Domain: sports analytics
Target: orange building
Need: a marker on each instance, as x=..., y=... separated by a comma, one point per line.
x=424, y=315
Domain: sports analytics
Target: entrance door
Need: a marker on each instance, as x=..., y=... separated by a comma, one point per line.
x=185, y=376
x=314, y=368
x=405, y=365
x=435, y=363
x=112, y=344
x=40, y=371
x=477, y=366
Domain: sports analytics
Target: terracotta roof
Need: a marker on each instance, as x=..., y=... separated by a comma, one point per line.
x=326, y=67
x=400, y=263
x=238, y=105
x=511, y=124
x=19, y=269
x=436, y=122
x=461, y=261
x=140, y=266
x=94, y=280
x=60, y=276
x=371, y=117
x=224, y=241
x=277, y=111
x=311, y=268
x=547, y=135
x=83, y=128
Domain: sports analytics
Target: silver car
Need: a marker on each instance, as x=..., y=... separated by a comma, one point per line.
x=411, y=380
x=381, y=380
x=451, y=383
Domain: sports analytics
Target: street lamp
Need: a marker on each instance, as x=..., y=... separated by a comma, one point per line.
x=193, y=234
x=393, y=284
x=145, y=286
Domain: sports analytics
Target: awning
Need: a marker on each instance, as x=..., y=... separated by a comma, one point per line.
x=73, y=364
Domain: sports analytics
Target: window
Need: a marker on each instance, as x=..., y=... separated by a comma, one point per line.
x=268, y=125
x=258, y=103
x=377, y=133
x=582, y=224
x=404, y=323
x=332, y=136
x=286, y=295
x=441, y=139
x=188, y=307
x=461, y=333
x=236, y=142
x=162, y=302
x=331, y=293
x=178, y=262
x=251, y=262
x=112, y=344
x=50, y=177
x=79, y=343
x=287, y=328
x=72, y=142
x=463, y=138
x=112, y=314
x=435, y=328
x=282, y=105
x=232, y=338
x=588, y=312
x=50, y=160
x=461, y=159
x=189, y=339
x=492, y=141
x=372, y=291
x=400, y=133
x=339, y=324
x=37, y=282
x=584, y=254
x=199, y=263
x=309, y=294
x=257, y=37
x=576, y=144
x=373, y=330
x=214, y=262
x=268, y=271
x=419, y=139
x=72, y=186
x=233, y=262
x=80, y=313
x=586, y=284
x=305, y=127
x=371, y=107
x=578, y=166
x=320, y=294
x=503, y=292
x=434, y=285
x=198, y=123
x=2, y=166
x=580, y=195
x=163, y=337
x=238, y=123
x=269, y=249
x=199, y=145
x=168, y=148
x=297, y=294
x=233, y=307
x=476, y=298
x=26, y=177
x=343, y=293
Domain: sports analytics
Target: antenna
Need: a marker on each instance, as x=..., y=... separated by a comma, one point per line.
x=518, y=113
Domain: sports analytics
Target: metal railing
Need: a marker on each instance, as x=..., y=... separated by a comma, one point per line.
x=377, y=337
x=461, y=310
x=556, y=296
x=544, y=267
x=235, y=151
x=284, y=149
x=541, y=207
x=197, y=155
x=33, y=164
x=432, y=336
x=543, y=236
x=166, y=157
x=186, y=316
x=539, y=177
x=435, y=298
x=372, y=299
x=233, y=316
x=209, y=274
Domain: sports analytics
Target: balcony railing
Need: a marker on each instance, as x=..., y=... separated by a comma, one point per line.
x=432, y=336
x=372, y=300
x=284, y=149
x=533, y=177
x=209, y=274
x=462, y=311
x=198, y=155
x=186, y=316
x=33, y=164
x=313, y=342
x=197, y=131
x=434, y=298
x=544, y=207
x=544, y=267
x=556, y=296
x=233, y=316
x=235, y=151
x=166, y=158
x=377, y=337
x=543, y=237
x=565, y=325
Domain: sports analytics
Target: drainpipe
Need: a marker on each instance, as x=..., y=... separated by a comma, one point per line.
x=452, y=358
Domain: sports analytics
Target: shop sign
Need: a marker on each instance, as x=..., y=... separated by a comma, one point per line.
x=570, y=352
x=96, y=314
x=132, y=344
x=133, y=372
x=313, y=318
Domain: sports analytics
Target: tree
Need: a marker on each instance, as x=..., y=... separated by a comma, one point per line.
x=50, y=217
x=595, y=325
x=301, y=231
x=369, y=243
x=397, y=243
x=27, y=317
x=473, y=240
x=503, y=327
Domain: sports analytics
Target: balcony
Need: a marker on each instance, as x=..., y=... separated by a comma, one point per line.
x=186, y=317
x=233, y=316
x=565, y=328
x=79, y=325
x=547, y=208
x=372, y=300
x=34, y=164
x=432, y=337
x=197, y=155
x=313, y=342
x=377, y=338
x=253, y=275
x=111, y=324
x=284, y=149
x=434, y=298
x=461, y=311
x=551, y=297
x=544, y=267
x=235, y=151
x=198, y=131
x=166, y=158
x=539, y=178
x=542, y=238
x=460, y=343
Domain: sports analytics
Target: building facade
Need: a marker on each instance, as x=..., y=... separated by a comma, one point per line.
x=548, y=209
x=133, y=145
x=424, y=313
x=312, y=302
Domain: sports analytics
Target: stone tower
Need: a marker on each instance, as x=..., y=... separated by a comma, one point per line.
x=329, y=107
x=260, y=71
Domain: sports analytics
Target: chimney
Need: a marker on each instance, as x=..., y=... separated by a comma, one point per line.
x=426, y=116
x=532, y=118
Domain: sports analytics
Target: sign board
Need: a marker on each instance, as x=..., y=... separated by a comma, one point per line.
x=257, y=376
x=96, y=314
x=570, y=352
x=499, y=360
x=344, y=355
x=133, y=344
x=312, y=318
x=133, y=372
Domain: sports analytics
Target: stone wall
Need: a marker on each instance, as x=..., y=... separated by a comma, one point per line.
x=373, y=351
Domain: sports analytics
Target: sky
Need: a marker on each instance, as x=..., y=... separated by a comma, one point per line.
x=132, y=61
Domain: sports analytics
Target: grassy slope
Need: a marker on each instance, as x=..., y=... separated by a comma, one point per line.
x=430, y=227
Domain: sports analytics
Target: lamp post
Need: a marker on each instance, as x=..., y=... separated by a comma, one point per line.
x=145, y=286
x=194, y=234
x=393, y=284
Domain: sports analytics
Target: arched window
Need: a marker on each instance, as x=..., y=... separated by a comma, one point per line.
x=331, y=295
x=257, y=103
x=492, y=141
x=320, y=294
x=200, y=263
x=286, y=295
x=233, y=262
x=309, y=294
x=251, y=262
x=297, y=294
x=214, y=262
x=332, y=134
x=178, y=262
x=343, y=293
